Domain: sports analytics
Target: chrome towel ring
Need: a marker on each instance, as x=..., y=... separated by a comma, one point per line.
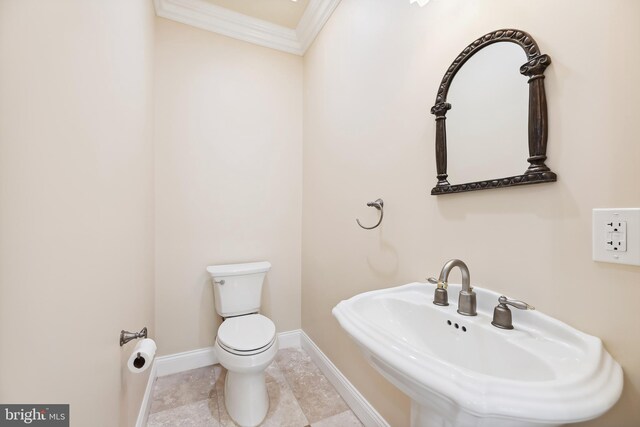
x=379, y=205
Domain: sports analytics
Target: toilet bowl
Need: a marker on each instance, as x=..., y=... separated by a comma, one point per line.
x=246, y=342
x=246, y=346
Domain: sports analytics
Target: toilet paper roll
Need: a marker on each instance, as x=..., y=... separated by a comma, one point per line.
x=142, y=355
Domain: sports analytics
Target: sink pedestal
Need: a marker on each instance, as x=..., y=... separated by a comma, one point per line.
x=432, y=416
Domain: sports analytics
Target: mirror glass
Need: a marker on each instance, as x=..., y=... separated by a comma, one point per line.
x=487, y=125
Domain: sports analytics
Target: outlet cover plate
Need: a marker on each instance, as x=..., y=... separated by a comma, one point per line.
x=601, y=230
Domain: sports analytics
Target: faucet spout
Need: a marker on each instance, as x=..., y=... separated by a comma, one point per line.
x=467, y=297
x=446, y=270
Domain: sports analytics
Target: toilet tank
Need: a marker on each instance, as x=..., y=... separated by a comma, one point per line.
x=241, y=291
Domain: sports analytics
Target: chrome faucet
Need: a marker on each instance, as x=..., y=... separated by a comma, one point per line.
x=467, y=297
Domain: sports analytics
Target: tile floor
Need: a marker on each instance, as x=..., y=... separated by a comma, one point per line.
x=299, y=395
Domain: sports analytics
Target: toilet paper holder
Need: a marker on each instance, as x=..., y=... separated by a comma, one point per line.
x=126, y=336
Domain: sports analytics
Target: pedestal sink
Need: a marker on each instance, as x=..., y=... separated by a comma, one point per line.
x=460, y=371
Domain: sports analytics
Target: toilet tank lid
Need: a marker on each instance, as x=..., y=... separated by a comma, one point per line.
x=238, y=269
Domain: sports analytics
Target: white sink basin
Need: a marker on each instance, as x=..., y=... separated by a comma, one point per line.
x=543, y=372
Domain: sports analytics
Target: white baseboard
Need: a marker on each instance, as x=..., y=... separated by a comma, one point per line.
x=180, y=362
x=290, y=339
x=356, y=401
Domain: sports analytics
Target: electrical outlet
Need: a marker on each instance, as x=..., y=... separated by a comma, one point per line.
x=616, y=235
x=615, y=238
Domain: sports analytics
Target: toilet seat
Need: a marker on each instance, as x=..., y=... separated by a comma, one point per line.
x=246, y=335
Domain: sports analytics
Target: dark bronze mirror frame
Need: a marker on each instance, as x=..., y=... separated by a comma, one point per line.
x=534, y=68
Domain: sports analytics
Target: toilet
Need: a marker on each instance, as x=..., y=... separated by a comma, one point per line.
x=246, y=342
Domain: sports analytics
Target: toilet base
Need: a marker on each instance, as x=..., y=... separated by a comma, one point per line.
x=246, y=398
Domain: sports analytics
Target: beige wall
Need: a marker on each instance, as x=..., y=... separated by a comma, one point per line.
x=77, y=183
x=370, y=80
x=228, y=159
x=76, y=203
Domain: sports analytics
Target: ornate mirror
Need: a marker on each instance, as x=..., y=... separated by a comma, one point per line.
x=492, y=121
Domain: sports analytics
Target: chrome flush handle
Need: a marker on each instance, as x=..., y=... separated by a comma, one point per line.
x=221, y=282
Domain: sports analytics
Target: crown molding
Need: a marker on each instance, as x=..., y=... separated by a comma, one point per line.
x=209, y=17
x=315, y=16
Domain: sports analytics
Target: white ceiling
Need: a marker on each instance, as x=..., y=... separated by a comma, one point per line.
x=286, y=13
